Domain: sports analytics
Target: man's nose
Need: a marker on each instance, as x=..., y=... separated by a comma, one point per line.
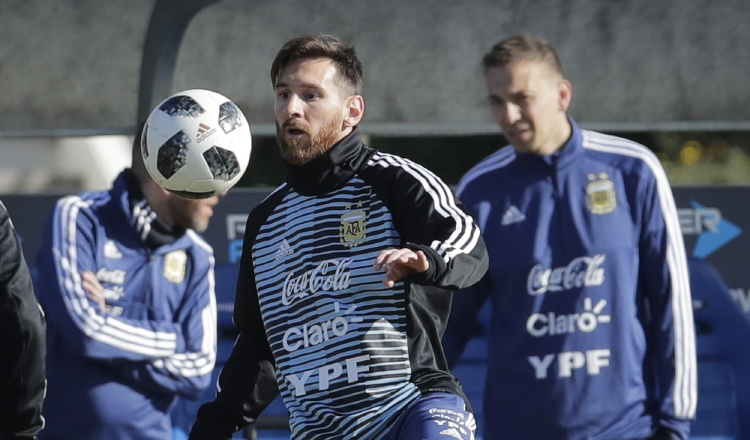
x=511, y=113
x=293, y=106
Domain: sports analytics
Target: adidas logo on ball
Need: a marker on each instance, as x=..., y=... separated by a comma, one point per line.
x=204, y=131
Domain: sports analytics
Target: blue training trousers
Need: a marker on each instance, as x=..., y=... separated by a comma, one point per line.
x=435, y=416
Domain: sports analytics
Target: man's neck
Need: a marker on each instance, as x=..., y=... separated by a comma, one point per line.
x=156, y=198
x=558, y=138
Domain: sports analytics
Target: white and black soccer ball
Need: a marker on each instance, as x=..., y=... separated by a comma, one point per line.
x=196, y=144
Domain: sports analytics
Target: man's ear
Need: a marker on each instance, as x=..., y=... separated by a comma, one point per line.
x=354, y=110
x=565, y=89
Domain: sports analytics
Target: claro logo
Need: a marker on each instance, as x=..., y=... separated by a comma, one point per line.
x=309, y=335
x=551, y=324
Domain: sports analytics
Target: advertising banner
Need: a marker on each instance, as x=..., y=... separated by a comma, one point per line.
x=713, y=222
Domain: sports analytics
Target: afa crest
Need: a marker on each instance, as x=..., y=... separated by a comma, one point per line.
x=600, y=194
x=175, y=266
x=352, y=230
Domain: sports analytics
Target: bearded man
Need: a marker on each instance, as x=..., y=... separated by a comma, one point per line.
x=354, y=353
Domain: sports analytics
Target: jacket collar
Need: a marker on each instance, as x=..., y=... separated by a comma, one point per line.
x=573, y=147
x=565, y=155
x=332, y=169
x=150, y=230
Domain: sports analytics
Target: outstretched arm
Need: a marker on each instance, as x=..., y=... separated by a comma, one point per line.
x=432, y=223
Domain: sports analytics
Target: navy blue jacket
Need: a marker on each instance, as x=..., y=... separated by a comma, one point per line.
x=591, y=334
x=115, y=374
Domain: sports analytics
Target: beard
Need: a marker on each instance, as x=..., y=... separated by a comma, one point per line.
x=305, y=148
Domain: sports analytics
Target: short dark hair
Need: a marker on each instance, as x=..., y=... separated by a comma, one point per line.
x=522, y=48
x=322, y=46
x=138, y=165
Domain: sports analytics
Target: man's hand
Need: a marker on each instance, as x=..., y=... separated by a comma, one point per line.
x=399, y=263
x=94, y=288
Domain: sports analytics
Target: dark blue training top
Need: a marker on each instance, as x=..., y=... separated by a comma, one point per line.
x=591, y=333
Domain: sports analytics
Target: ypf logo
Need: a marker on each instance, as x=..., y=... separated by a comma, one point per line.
x=712, y=229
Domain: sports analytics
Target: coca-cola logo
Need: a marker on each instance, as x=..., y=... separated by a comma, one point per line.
x=327, y=276
x=582, y=271
x=111, y=276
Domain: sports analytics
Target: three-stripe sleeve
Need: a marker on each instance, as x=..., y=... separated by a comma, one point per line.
x=100, y=335
x=681, y=400
x=434, y=217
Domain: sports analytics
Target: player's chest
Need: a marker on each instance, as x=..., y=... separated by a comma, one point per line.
x=141, y=285
x=321, y=249
x=582, y=212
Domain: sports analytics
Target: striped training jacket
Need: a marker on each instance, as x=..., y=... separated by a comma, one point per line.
x=347, y=353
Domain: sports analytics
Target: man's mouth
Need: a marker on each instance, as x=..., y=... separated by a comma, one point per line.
x=293, y=131
x=517, y=131
x=293, y=128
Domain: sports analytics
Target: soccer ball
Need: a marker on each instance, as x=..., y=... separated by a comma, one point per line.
x=196, y=144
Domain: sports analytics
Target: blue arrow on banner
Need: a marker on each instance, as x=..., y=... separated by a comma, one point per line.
x=710, y=241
